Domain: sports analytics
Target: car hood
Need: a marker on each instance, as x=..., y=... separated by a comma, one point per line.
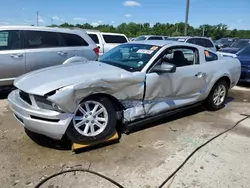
x=244, y=60
x=230, y=50
x=43, y=81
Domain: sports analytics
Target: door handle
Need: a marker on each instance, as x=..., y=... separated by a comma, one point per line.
x=200, y=75
x=62, y=53
x=16, y=56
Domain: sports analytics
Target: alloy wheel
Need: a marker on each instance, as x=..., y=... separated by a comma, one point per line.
x=90, y=118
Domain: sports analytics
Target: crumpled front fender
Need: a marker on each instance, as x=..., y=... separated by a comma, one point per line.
x=122, y=88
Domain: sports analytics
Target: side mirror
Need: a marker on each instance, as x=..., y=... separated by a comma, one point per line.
x=165, y=67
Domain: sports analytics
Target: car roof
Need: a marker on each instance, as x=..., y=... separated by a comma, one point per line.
x=186, y=37
x=161, y=42
x=41, y=28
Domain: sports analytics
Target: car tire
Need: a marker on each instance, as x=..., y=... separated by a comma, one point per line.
x=217, y=96
x=93, y=127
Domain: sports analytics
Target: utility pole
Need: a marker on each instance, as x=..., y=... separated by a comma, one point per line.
x=186, y=20
x=51, y=21
x=203, y=30
x=37, y=18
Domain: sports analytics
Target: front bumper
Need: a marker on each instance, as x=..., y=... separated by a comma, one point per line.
x=46, y=122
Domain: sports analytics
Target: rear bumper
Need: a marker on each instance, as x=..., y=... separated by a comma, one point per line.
x=49, y=123
x=245, y=76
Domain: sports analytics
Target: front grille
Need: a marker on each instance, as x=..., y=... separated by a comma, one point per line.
x=25, y=97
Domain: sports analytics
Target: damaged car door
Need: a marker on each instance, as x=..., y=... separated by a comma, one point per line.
x=175, y=80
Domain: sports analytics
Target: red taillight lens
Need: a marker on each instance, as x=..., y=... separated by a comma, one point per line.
x=96, y=50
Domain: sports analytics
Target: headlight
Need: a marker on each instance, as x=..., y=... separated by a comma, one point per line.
x=43, y=103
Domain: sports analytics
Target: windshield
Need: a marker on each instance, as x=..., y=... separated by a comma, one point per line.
x=245, y=51
x=240, y=43
x=140, y=38
x=131, y=57
x=224, y=41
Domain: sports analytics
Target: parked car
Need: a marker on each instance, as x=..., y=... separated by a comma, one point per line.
x=106, y=41
x=150, y=37
x=224, y=42
x=236, y=46
x=244, y=56
x=26, y=48
x=131, y=84
x=201, y=41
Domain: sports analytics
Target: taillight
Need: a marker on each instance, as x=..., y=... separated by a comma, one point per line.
x=96, y=50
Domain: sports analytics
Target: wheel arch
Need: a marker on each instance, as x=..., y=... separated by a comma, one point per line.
x=117, y=104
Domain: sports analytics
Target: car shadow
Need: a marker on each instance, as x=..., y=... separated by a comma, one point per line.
x=5, y=92
x=243, y=84
x=44, y=141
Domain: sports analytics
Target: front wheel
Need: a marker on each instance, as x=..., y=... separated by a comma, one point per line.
x=217, y=96
x=94, y=121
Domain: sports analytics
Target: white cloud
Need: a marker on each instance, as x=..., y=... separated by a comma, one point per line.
x=4, y=23
x=40, y=19
x=62, y=20
x=112, y=22
x=79, y=19
x=128, y=15
x=94, y=24
x=239, y=20
x=100, y=21
x=131, y=4
x=55, y=18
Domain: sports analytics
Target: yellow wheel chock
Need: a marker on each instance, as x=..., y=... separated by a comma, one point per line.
x=81, y=147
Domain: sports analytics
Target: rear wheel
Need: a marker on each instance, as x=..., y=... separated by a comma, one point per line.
x=94, y=120
x=217, y=96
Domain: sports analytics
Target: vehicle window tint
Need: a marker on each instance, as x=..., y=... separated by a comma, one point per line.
x=191, y=41
x=9, y=40
x=41, y=39
x=94, y=37
x=209, y=44
x=180, y=56
x=209, y=56
x=73, y=40
x=200, y=42
x=114, y=39
x=165, y=38
x=155, y=38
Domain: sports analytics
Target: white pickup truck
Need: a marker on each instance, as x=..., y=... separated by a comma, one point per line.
x=106, y=41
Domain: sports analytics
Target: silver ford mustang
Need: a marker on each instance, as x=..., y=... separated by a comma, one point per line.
x=131, y=84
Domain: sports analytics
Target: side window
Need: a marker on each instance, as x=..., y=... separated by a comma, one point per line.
x=155, y=38
x=191, y=41
x=41, y=39
x=10, y=40
x=94, y=37
x=114, y=39
x=209, y=56
x=72, y=40
x=209, y=44
x=200, y=42
x=181, y=56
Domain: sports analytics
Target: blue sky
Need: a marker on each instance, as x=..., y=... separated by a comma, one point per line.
x=236, y=14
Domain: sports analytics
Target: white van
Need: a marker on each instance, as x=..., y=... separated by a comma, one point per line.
x=106, y=41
